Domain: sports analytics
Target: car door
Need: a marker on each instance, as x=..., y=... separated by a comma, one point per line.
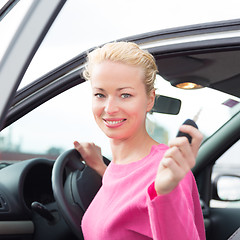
x=221, y=158
x=40, y=17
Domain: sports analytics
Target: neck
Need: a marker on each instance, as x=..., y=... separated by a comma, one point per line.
x=131, y=149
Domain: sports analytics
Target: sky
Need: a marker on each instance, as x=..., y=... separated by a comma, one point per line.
x=88, y=23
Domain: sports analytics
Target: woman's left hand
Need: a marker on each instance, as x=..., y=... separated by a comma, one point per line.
x=178, y=160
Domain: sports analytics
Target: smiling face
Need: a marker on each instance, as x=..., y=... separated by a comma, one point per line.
x=120, y=101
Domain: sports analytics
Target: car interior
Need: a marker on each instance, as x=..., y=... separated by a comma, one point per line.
x=45, y=185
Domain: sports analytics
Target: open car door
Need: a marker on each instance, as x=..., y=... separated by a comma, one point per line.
x=32, y=30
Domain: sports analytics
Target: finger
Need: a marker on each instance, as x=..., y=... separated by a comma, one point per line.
x=182, y=144
x=196, y=137
x=76, y=143
x=176, y=154
x=176, y=172
x=185, y=157
x=78, y=146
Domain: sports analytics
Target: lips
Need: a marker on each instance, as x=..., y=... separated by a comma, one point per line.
x=114, y=122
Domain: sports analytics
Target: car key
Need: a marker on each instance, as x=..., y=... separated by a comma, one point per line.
x=191, y=123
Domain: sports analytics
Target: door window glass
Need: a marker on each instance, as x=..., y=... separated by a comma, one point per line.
x=228, y=186
x=52, y=127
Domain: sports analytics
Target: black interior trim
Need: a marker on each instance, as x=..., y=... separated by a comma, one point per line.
x=215, y=146
x=186, y=51
x=48, y=78
x=204, y=46
x=7, y=8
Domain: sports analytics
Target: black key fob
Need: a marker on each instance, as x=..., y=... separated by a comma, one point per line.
x=191, y=123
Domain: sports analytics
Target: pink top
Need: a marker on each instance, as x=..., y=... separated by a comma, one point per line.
x=127, y=206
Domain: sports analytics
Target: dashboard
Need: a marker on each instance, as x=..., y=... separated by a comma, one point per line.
x=37, y=185
x=21, y=184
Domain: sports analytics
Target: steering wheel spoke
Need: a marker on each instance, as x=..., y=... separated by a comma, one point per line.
x=74, y=186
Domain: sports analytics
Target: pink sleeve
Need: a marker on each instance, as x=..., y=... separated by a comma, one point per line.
x=172, y=216
x=152, y=192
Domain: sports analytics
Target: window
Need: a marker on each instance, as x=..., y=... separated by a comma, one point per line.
x=51, y=128
x=228, y=186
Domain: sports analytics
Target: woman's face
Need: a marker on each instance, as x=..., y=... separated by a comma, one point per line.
x=120, y=101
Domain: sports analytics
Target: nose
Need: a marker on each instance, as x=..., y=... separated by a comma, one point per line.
x=111, y=106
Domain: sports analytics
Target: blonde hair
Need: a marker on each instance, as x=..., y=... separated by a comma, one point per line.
x=127, y=53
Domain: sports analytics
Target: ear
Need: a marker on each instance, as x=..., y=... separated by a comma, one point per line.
x=151, y=100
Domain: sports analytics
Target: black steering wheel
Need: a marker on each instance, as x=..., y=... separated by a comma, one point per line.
x=74, y=186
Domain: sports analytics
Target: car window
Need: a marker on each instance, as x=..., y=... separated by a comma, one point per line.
x=51, y=128
x=228, y=164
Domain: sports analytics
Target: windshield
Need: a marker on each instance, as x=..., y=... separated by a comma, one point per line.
x=209, y=107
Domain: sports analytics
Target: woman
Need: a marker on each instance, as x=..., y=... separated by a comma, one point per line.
x=148, y=189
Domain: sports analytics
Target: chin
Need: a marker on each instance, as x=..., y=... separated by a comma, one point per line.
x=116, y=136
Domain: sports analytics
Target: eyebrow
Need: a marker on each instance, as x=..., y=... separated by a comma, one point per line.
x=101, y=89
x=118, y=89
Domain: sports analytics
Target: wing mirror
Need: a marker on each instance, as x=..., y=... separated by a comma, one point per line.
x=167, y=105
x=226, y=188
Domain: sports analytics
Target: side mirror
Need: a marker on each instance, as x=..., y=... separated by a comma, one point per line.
x=167, y=105
x=226, y=188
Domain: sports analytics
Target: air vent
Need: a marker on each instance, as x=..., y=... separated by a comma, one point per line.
x=3, y=204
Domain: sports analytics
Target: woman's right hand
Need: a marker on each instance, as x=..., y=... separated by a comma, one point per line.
x=92, y=155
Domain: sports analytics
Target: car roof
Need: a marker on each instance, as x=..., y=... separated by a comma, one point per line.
x=206, y=53
x=219, y=70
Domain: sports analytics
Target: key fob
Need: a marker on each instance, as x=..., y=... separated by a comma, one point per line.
x=187, y=122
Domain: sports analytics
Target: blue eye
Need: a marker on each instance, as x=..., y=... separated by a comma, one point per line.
x=99, y=95
x=126, y=95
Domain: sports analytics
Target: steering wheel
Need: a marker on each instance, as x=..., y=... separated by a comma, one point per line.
x=74, y=186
